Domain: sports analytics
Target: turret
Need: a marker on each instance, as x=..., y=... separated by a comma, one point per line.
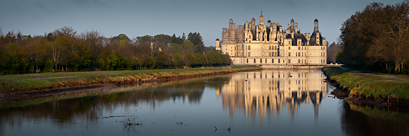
x=292, y=24
x=268, y=23
x=261, y=18
x=316, y=25
x=217, y=44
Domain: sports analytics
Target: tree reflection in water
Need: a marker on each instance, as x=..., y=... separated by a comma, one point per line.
x=265, y=95
x=89, y=105
x=364, y=120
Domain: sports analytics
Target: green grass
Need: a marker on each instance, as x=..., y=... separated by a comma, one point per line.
x=369, y=85
x=27, y=82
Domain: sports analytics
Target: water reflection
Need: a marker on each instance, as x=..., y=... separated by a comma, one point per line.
x=364, y=120
x=282, y=102
x=267, y=91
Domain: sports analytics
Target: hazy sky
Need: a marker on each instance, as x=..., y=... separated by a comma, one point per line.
x=150, y=17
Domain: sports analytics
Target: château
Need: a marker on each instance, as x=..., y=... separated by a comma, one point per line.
x=269, y=44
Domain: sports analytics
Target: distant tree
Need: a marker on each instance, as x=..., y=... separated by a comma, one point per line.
x=333, y=50
x=177, y=60
x=149, y=62
x=65, y=31
x=144, y=40
x=59, y=50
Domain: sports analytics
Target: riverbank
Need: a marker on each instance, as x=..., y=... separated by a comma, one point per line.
x=369, y=88
x=24, y=84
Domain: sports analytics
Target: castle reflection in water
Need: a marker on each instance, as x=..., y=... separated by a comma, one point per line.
x=267, y=91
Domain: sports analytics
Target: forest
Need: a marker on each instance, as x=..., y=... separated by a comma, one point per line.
x=377, y=39
x=65, y=50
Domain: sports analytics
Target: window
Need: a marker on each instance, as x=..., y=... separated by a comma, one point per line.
x=298, y=48
x=269, y=47
x=249, y=47
x=298, y=53
x=289, y=54
x=289, y=61
x=247, y=60
x=278, y=60
x=254, y=61
x=265, y=60
x=272, y=60
x=289, y=43
x=298, y=60
x=269, y=54
x=261, y=60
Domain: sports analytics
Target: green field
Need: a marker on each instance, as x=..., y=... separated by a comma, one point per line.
x=370, y=84
x=28, y=82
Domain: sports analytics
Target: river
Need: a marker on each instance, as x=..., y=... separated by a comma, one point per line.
x=267, y=102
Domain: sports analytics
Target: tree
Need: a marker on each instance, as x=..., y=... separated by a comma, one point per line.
x=59, y=50
x=65, y=31
x=333, y=50
x=94, y=42
x=177, y=60
x=161, y=59
x=377, y=35
x=149, y=62
x=82, y=57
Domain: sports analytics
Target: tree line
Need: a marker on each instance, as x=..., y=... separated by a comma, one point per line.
x=65, y=50
x=377, y=38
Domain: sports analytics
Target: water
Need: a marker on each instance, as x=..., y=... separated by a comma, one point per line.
x=286, y=102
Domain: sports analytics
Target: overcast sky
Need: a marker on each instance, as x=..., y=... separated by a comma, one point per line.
x=150, y=17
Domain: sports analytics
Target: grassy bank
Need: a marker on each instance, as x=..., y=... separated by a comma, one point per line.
x=377, y=86
x=47, y=81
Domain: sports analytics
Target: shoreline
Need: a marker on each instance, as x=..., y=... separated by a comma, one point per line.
x=361, y=94
x=139, y=78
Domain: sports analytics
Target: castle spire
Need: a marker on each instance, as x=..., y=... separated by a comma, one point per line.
x=261, y=18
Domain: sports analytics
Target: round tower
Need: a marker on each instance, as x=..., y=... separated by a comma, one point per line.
x=316, y=25
x=217, y=44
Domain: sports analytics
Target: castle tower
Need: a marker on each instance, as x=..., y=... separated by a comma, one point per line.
x=261, y=18
x=316, y=25
x=292, y=25
x=232, y=31
x=296, y=27
x=217, y=44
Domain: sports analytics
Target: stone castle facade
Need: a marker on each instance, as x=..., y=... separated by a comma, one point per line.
x=269, y=44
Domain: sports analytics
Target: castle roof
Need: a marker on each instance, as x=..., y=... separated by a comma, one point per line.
x=314, y=39
x=297, y=36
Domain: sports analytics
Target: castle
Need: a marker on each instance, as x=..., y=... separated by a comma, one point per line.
x=269, y=44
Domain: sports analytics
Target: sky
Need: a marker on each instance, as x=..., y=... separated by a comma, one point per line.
x=151, y=17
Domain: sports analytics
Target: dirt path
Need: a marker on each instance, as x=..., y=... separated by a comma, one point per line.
x=372, y=74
